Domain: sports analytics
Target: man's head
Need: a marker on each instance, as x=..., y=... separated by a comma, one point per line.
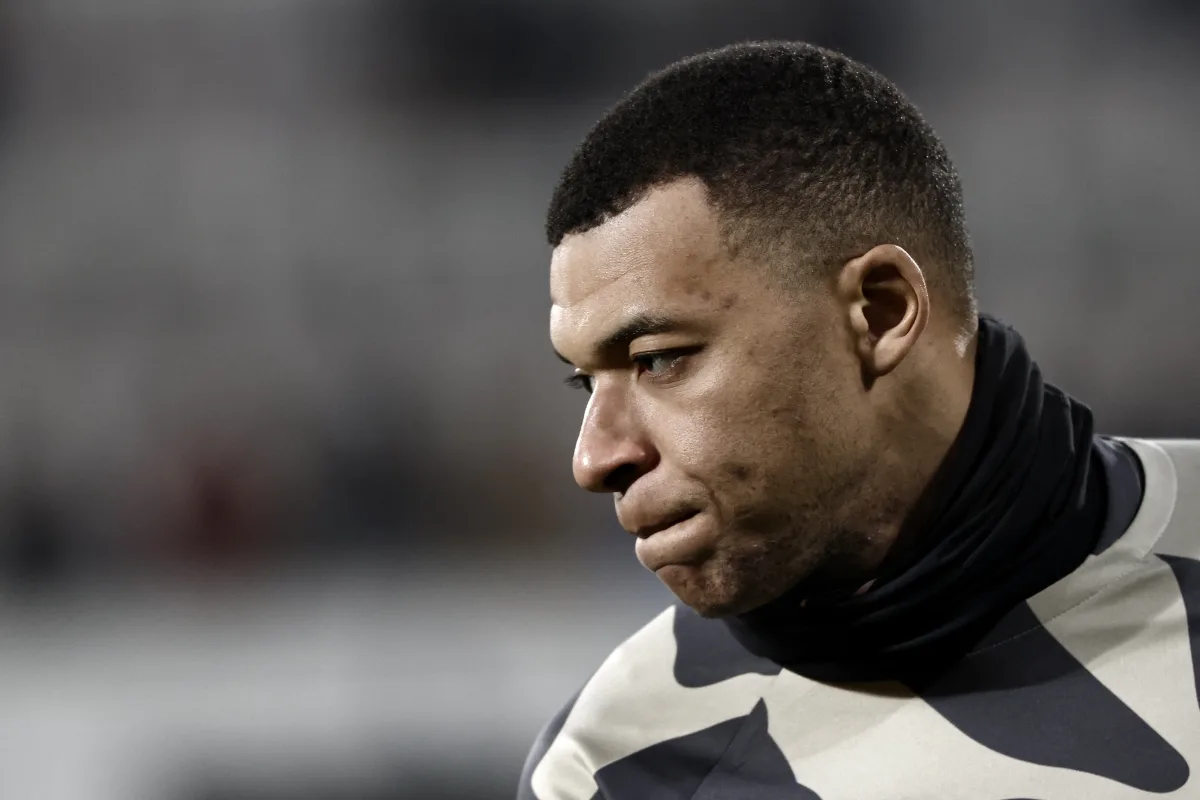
x=762, y=274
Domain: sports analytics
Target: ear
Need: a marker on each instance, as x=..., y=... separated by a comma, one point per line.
x=884, y=294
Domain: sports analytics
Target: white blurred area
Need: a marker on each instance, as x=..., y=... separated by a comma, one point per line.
x=285, y=503
x=362, y=683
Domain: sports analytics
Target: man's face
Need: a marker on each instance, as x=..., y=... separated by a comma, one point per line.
x=726, y=414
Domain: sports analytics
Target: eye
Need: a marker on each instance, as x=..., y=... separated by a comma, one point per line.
x=658, y=364
x=580, y=381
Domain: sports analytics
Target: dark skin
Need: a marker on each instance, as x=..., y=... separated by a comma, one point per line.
x=753, y=432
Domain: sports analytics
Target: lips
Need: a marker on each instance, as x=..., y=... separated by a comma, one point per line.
x=684, y=541
x=646, y=531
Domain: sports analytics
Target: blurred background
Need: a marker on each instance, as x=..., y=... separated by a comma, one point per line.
x=285, y=503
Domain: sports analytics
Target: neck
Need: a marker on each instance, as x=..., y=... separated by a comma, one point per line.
x=925, y=422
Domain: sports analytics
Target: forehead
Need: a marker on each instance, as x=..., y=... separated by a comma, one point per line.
x=666, y=248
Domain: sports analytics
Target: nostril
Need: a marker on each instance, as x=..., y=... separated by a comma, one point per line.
x=619, y=479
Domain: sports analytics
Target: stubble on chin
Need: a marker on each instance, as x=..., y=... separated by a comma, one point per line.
x=734, y=582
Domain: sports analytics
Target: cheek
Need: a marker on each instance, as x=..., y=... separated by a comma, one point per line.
x=772, y=455
x=731, y=431
x=738, y=472
x=769, y=419
x=736, y=455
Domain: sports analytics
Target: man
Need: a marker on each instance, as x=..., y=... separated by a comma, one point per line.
x=907, y=567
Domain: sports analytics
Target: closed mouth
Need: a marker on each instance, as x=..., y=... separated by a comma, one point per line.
x=650, y=530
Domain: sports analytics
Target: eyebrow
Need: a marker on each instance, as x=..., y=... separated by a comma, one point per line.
x=636, y=327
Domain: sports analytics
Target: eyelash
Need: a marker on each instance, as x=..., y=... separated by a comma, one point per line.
x=584, y=382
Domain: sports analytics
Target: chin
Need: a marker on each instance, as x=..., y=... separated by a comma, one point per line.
x=712, y=593
x=714, y=611
x=719, y=607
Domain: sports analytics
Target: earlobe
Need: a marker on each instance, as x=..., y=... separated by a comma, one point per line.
x=887, y=303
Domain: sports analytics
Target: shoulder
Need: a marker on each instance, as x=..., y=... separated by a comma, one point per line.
x=1169, y=517
x=641, y=651
x=676, y=675
x=548, y=734
x=1184, y=455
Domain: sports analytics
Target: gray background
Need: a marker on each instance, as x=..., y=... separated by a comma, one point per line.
x=285, y=505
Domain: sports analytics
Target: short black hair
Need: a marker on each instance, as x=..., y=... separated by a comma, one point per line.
x=792, y=141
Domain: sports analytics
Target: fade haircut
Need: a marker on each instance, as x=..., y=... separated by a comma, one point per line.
x=809, y=157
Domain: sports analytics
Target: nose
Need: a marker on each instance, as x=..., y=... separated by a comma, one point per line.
x=612, y=450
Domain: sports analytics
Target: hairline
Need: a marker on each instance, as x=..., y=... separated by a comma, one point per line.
x=732, y=225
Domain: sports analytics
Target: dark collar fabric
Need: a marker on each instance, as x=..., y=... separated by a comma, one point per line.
x=1019, y=502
